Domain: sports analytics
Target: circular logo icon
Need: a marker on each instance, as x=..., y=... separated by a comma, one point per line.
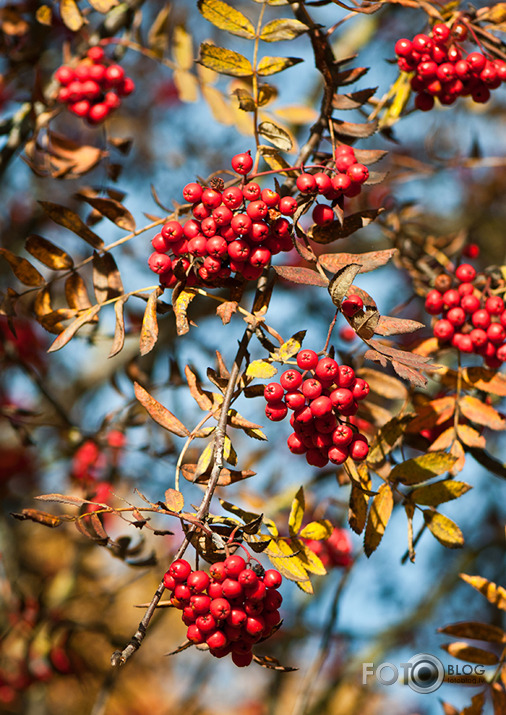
x=426, y=673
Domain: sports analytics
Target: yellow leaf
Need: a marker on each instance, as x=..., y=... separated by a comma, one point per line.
x=220, y=109
x=288, y=564
x=400, y=93
x=273, y=65
x=227, y=18
x=224, y=61
x=317, y=530
x=471, y=437
x=44, y=15
x=262, y=369
x=182, y=48
x=291, y=347
x=419, y=469
x=71, y=15
x=379, y=515
x=174, y=500
x=282, y=29
x=492, y=592
x=180, y=307
x=308, y=557
x=274, y=160
x=439, y=492
x=444, y=529
x=296, y=512
x=103, y=5
x=186, y=85
x=205, y=459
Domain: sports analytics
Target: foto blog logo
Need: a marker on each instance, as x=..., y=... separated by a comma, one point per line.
x=424, y=673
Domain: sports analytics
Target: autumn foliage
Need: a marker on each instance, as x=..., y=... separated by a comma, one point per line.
x=286, y=450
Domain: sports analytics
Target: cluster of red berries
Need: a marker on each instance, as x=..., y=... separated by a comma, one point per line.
x=319, y=398
x=346, y=181
x=472, y=321
x=93, y=89
x=444, y=70
x=334, y=551
x=231, y=608
x=233, y=230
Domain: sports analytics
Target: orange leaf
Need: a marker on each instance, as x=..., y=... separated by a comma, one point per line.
x=477, y=411
x=159, y=413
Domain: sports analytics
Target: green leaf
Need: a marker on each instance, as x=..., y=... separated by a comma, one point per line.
x=262, y=369
x=297, y=512
x=275, y=135
x=224, y=61
x=444, y=529
x=282, y=29
x=226, y=18
x=273, y=65
x=420, y=469
x=439, y=492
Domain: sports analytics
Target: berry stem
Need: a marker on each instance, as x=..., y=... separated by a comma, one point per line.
x=331, y=328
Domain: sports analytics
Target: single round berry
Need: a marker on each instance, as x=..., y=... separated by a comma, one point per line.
x=242, y=163
x=323, y=214
x=359, y=448
x=294, y=400
x=481, y=319
x=234, y=565
x=342, y=436
x=291, y=380
x=434, y=302
x=287, y=205
x=276, y=411
x=321, y=406
x=494, y=305
x=358, y=173
x=306, y=184
x=273, y=392
x=338, y=454
x=327, y=369
x=465, y=273
x=220, y=608
x=443, y=330
x=352, y=305
x=311, y=388
x=198, y=581
x=217, y=571
x=295, y=444
x=307, y=359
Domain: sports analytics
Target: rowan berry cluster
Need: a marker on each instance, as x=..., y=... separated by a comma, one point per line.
x=230, y=609
x=233, y=230
x=444, y=70
x=334, y=551
x=94, y=88
x=472, y=320
x=319, y=397
x=346, y=181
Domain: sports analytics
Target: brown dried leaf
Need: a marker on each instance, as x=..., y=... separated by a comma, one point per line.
x=174, y=500
x=22, y=269
x=304, y=276
x=227, y=476
x=476, y=707
x=201, y=397
x=69, y=332
x=75, y=293
x=112, y=210
x=149, y=329
x=489, y=381
x=341, y=282
x=64, y=499
x=383, y=384
x=106, y=277
x=499, y=698
x=351, y=129
x=367, y=261
x=334, y=231
x=119, y=330
x=41, y=517
x=475, y=630
x=69, y=219
x=226, y=310
x=464, y=651
x=47, y=253
x=379, y=515
x=354, y=100
x=477, y=411
x=159, y=413
x=267, y=661
x=91, y=527
x=350, y=76
x=492, y=592
x=359, y=499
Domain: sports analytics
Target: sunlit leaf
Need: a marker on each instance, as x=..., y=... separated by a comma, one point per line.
x=492, y=592
x=276, y=135
x=71, y=15
x=69, y=219
x=444, y=529
x=317, y=530
x=227, y=18
x=464, y=651
x=47, y=253
x=439, y=492
x=224, y=61
x=477, y=411
x=159, y=413
x=69, y=332
x=149, y=328
x=475, y=631
x=261, y=369
x=282, y=29
x=22, y=269
x=420, y=469
x=273, y=65
x=180, y=305
x=296, y=512
x=379, y=516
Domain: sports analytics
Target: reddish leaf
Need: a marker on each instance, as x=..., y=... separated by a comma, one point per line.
x=396, y=326
x=350, y=76
x=367, y=261
x=350, y=129
x=299, y=275
x=69, y=219
x=226, y=310
x=477, y=411
x=159, y=413
x=354, y=100
x=334, y=231
x=69, y=332
x=369, y=156
x=341, y=282
x=173, y=500
x=22, y=269
x=48, y=254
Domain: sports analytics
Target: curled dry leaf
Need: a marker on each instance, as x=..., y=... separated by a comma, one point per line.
x=69, y=332
x=302, y=276
x=159, y=413
x=149, y=329
x=227, y=476
x=22, y=269
x=47, y=253
x=367, y=261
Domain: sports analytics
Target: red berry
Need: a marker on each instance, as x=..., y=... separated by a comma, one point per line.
x=242, y=163
x=456, y=316
x=291, y=380
x=257, y=210
x=358, y=173
x=306, y=184
x=481, y=319
x=403, y=48
x=200, y=604
x=195, y=635
x=211, y=198
x=98, y=112
x=345, y=376
x=352, y=305
x=465, y=273
x=494, y=305
x=182, y=592
x=316, y=458
x=312, y=388
x=126, y=87
x=496, y=333
x=440, y=32
x=434, y=302
x=323, y=182
x=451, y=298
x=220, y=608
x=295, y=444
x=294, y=400
x=307, y=359
x=270, y=197
x=198, y=581
x=237, y=617
x=248, y=578
x=327, y=369
x=242, y=659
x=478, y=337
x=114, y=74
x=359, y=448
x=232, y=197
x=287, y=205
x=323, y=214
x=338, y=454
x=217, y=640
x=169, y=581
x=360, y=389
x=344, y=160
x=252, y=191
x=217, y=571
x=341, y=398
x=342, y=436
x=234, y=565
x=470, y=303
x=241, y=224
x=159, y=262
x=321, y=406
x=472, y=250
x=443, y=330
x=273, y=392
x=205, y=623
